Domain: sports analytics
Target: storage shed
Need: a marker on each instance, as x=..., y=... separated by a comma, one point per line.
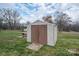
x=42, y=33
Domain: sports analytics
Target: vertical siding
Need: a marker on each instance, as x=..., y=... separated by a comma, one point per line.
x=39, y=34
x=29, y=33
x=43, y=34
x=35, y=33
x=51, y=32
x=55, y=34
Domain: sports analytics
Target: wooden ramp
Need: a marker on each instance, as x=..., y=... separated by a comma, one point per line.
x=34, y=46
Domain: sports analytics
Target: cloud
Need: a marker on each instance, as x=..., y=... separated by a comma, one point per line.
x=49, y=9
x=35, y=11
x=7, y=5
x=73, y=11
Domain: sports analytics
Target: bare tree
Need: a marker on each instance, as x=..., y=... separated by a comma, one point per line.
x=75, y=26
x=62, y=20
x=11, y=17
x=48, y=19
x=16, y=18
x=1, y=23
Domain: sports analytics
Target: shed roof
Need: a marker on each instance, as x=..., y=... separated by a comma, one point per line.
x=39, y=22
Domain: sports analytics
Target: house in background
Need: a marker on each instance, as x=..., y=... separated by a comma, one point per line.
x=41, y=32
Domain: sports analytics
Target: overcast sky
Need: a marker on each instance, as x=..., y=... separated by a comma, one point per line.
x=35, y=11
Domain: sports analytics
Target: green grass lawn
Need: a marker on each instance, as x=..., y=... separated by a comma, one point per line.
x=11, y=44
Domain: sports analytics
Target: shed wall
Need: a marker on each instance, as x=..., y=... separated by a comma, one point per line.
x=51, y=32
x=55, y=34
x=29, y=33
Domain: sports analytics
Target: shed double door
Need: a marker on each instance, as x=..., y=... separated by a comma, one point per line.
x=39, y=34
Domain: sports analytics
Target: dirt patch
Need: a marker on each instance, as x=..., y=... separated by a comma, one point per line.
x=74, y=50
x=34, y=46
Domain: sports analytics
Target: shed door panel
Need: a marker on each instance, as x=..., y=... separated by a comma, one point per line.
x=39, y=34
x=34, y=32
x=43, y=34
